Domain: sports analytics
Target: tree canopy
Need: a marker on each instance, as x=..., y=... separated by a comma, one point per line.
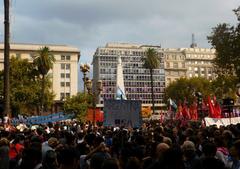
x=225, y=38
x=25, y=87
x=183, y=88
x=77, y=104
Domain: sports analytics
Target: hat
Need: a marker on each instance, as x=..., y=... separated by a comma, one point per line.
x=53, y=142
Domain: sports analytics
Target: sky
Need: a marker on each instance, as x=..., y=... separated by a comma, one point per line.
x=88, y=24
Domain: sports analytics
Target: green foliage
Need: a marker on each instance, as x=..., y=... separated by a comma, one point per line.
x=25, y=87
x=185, y=88
x=226, y=39
x=77, y=104
x=151, y=61
x=43, y=60
x=224, y=86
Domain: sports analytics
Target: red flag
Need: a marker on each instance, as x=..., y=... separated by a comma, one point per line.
x=214, y=110
x=211, y=108
x=185, y=111
x=179, y=112
x=193, y=111
x=218, y=110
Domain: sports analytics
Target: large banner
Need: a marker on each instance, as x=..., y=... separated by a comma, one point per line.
x=122, y=113
x=221, y=121
x=42, y=119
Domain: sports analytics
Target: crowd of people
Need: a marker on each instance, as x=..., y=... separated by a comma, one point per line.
x=76, y=145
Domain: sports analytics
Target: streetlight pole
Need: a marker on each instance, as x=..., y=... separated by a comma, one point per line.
x=84, y=69
x=6, y=59
x=94, y=94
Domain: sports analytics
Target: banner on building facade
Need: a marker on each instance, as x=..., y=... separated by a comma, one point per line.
x=122, y=113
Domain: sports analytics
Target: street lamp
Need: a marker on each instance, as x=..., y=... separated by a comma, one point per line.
x=84, y=69
x=94, y=92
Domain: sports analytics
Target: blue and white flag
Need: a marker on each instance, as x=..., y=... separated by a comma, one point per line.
x=172, y=104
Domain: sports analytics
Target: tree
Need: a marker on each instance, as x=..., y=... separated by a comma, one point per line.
x=224, y=87
x=77, y=104
x=25, y=87
x=226, y=39
x=44, y=62
x=151, y=61
x=183, y=88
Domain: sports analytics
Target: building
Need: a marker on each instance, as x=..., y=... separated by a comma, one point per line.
x=65, y=69
x=136, y=78
x=174, y=63
x=188, y=62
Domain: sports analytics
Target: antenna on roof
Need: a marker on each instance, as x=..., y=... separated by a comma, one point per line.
x=194, y=44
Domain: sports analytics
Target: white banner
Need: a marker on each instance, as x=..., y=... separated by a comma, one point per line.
x=221, y=121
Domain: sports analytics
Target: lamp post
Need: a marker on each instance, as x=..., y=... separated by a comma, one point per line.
x=94, y=92
x=84, y=69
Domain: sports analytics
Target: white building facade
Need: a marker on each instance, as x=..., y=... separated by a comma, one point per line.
x=64, y=74
x=188, y=63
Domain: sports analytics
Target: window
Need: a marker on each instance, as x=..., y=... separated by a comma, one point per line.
x=67, y=75
x=68, y=57
x=67, y=94
x=62, y=84
x=62, y=66
x=167, y=64
x=68, y=84
x=62, y=57
x=175, y=65
x=67, y=66
x=62, y=95
x=62, y=75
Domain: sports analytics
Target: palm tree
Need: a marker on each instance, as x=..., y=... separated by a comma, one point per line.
x=151, y=62
x=43, y=62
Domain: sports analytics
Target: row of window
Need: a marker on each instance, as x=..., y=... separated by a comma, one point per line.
x=135, y=84
x=64, y=95
x=142, y=97
x=117, y=52
x=134, y=90
x=65, y=75
x=65, y=57
x=63, y=84
x=143, y=101
x=65, y=66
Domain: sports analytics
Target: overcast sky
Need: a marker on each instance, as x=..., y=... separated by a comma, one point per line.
x=88, y=24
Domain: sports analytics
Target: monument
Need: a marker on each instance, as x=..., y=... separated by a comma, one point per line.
x=120, y=89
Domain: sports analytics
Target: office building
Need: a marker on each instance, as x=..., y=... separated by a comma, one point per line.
x=136, y=78
x=188, y=63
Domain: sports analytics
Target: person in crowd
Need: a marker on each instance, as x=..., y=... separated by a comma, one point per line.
x=4, y=153
x=208, y=160
x=110, y=163
x=235, y=154
x=31, y=159
x=50, y=160
x=51, y=144
x=190, y=158
x=98, y=155
x=68, y=158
